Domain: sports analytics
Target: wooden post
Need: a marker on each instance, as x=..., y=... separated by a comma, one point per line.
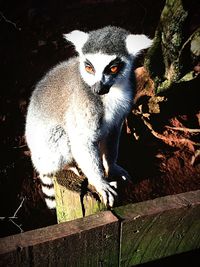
x=74, y=198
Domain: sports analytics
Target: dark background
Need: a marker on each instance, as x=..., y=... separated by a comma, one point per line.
x=30, y=44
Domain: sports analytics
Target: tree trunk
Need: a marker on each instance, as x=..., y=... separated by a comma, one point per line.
x=176, y=46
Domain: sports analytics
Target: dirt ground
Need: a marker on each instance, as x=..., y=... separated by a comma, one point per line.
x=160, y=150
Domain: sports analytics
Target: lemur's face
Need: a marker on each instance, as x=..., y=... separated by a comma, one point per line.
x=106, y=55
x=102, y=71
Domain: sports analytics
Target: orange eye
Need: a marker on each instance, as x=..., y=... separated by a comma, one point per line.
x=89, y=69
x=114, y=69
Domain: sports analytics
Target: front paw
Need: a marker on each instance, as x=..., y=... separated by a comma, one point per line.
x=118, y=171
x=107, y=191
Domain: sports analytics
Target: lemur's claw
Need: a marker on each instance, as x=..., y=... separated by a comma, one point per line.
x=107, y=192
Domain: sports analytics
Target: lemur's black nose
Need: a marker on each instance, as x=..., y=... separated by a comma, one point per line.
x=104, y=89
x=100, y=88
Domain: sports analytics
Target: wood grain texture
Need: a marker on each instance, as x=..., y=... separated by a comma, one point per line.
x=159, y=228
x=92, y=241
x=139, y=233
x=74, y=197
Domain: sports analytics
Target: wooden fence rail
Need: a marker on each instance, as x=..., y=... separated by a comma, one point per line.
x=126, y=236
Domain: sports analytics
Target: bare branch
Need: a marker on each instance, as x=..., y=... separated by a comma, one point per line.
x=184, y=129
x=14, y=216
x=18, y=226
x=9, y=21
x=20, y=205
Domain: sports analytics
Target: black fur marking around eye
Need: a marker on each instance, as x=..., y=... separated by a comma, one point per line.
x=116, y=62
x=89, y=67
x=88, y=63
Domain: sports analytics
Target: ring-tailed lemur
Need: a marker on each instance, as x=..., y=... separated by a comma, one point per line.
x=77, y=110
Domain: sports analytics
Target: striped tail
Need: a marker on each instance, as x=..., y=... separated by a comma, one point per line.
x=48, y=191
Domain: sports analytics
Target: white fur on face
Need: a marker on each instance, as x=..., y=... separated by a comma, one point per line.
x=99, y=62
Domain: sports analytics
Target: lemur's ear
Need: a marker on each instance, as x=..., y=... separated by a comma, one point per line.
x=137, y=42
x=78, y=38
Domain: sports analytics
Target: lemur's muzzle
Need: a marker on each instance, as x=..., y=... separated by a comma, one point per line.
x=101, y=88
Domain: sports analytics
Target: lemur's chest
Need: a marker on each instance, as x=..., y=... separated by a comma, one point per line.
x=117, y=104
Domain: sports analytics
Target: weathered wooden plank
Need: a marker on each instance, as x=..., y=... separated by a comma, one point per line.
x=149, y=231
x=159, y=228
x=91, y=241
